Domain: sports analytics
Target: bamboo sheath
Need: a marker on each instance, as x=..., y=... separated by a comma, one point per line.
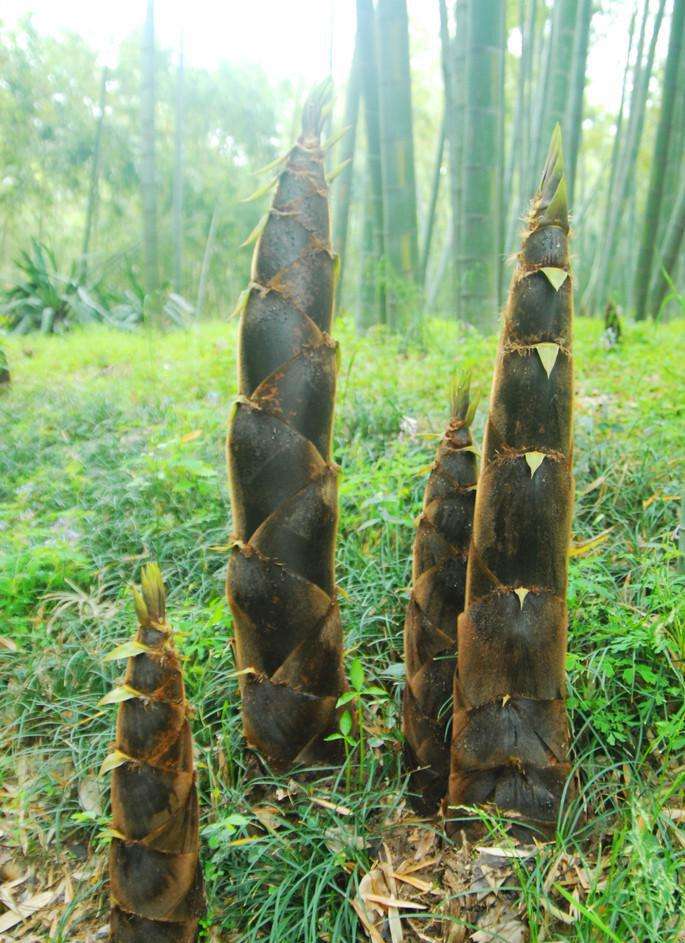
x=437, y=598
x=510, y=734
x=155, y=874
x=281, y=583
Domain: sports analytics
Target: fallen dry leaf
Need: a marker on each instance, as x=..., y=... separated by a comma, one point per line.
x=27, y=908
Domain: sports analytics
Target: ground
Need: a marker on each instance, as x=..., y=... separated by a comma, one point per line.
x=112, y=455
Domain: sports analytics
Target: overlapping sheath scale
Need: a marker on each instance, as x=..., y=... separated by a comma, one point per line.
x=281, y=583
x=437, y=598
x=155, y=875
x=510, y=736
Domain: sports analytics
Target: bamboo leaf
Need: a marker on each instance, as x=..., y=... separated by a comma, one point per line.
x=127, y=650
x=335, y=270
x=555, y=276
x=112, y=760
x=534, y=460
x=548, y=354
x=110, y=833
x=152, y=586
x=333, y=140
x=587, y=546
x=272, y=165
x=256, y=232
x=241, y=304
x=337, y=170
x=139, y=604
x=261, y=191
x=122, y=693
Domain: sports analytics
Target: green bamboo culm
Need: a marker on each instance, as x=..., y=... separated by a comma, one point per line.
x=155, y=874
x=284, y=484
x=510, y=732
x=643, y=272
x=669, y=254
x=400, y=238
x=438, y=582
x=372, y=293
x=479, y=231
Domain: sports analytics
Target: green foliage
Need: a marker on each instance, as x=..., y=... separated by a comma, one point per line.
x=49, y=302
x=113, y=455
x=48, y=115
x=44, y=300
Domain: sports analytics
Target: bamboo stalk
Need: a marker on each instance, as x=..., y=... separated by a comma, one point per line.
x=400, y=237
x=480, y=237
x=373, y=284
x=650, y=227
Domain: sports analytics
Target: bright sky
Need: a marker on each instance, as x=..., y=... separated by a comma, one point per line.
x=290, y=37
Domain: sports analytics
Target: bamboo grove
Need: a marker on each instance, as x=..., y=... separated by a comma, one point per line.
x=499, y=109
x=434, y=186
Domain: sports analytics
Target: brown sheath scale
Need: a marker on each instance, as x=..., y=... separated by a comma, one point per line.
x=510, y=732
x=155, y=874
x=437, y=598
x=284, y=490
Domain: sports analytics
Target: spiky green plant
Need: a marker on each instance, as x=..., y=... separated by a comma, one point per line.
x=155, y=875
x=440, y=555
x=284, y=484
x=510, y=733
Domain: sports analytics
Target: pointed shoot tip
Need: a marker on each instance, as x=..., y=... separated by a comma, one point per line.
x=551, y=201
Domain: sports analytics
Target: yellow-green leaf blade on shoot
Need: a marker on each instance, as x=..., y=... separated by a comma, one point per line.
x=261, y=191
x=122, y=693
x=110, y=833
x=112, y=760
x=127, y=650
x=337, y=170
x=555, y=276
x=139, y=605
x=548, y=353
x=256, y=232
x=334, y=138
x=534, y=460
x=152, y=585
x=241, y=304
x=272, y=165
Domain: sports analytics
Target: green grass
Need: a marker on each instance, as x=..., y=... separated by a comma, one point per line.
x=112, y=455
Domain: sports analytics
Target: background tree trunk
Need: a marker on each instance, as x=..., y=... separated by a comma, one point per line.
x=93, y=190
x=373, y=289
x=573, y=120
x=178, y=176
x=599, y=283
x=480, y=256
x=346, y=152
x=452, y=133
x=460, y=82
x=397, y=152
x=432, y=201
x=650, y=225
x=668, y=256
x=148, y=175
